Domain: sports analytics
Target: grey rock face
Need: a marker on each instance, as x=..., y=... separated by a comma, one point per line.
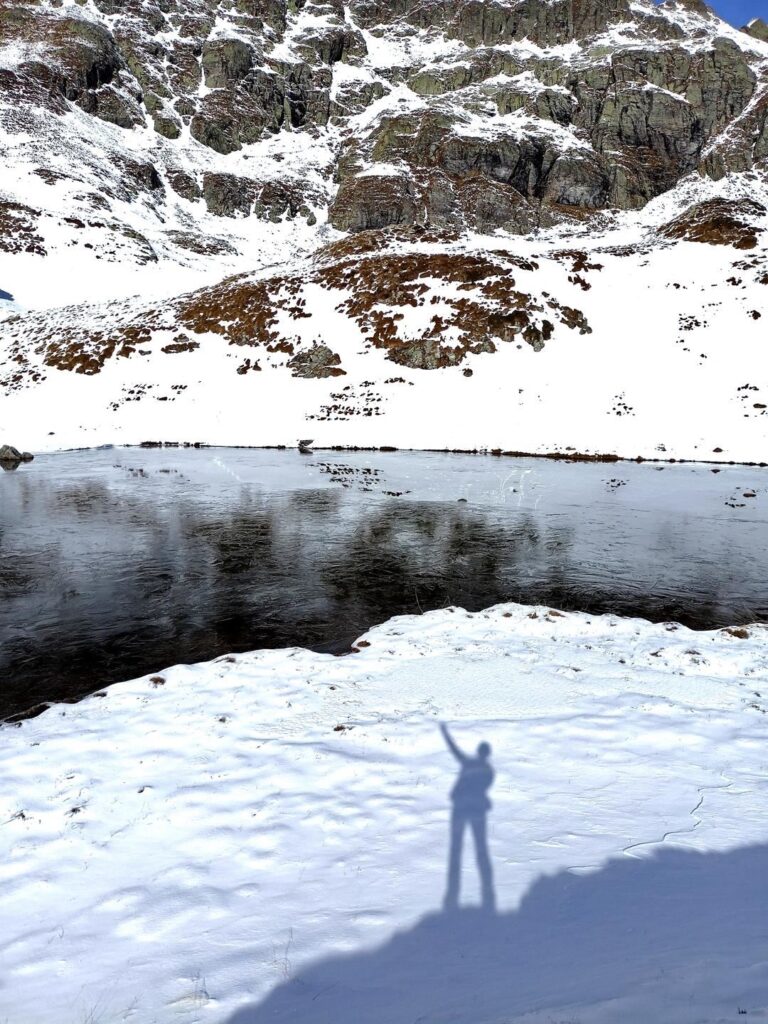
x=373, y=201
x=318, y=361
x=226, y=61
x=758, y=29
x=482, y=22
x=484, y=136
x=9, y=454
x=225, y=120
x=228, y=195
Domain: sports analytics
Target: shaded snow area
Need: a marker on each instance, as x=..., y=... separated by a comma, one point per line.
x=265, y=837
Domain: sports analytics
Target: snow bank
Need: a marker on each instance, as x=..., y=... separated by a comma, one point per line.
x=239, y=840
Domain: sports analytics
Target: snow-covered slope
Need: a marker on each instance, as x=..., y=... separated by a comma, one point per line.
x=264, y=837
x=369, y=162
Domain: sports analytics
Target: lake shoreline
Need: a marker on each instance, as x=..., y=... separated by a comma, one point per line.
x=496, y=453
x=203, y=552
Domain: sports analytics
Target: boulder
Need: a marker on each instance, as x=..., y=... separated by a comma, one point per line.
x=318, y=361
x=9, y=454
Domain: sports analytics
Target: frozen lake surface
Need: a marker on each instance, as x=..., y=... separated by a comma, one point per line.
x=119, y=562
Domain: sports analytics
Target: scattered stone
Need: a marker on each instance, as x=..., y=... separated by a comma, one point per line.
x=317, y=361
x=10, y=454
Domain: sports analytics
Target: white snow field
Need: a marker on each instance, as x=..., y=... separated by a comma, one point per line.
x=659, y=373
x=264, y=837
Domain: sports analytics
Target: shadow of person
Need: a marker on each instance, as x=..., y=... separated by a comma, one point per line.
x=471, y=804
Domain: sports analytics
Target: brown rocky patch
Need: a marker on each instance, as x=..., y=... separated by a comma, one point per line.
x=181, y=344
x=718, y=222
x=471, y=300
x=18, y=229
x=491, y=310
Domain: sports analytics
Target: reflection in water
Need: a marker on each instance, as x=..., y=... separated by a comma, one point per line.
x=469, y=797
x=118, y=563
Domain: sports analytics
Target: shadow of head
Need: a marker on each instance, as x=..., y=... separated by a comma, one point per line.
x=663, y=935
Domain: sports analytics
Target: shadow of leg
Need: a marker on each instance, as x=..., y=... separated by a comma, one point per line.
x=479, y=831
x=451, y=900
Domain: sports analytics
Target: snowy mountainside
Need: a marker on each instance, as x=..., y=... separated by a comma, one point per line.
x=526, y=210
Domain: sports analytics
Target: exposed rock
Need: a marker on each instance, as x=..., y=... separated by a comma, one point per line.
x=718, y=222
x=277, y=199
x=140, y=176
x=82, y=63
x=487, y=206
x=10, y=454
x=18, y=229
x=353, y=98
x=318, y=361
x=697, y=6
x=183, y=184
x=227, y=195
x=482, y=22
x=758, y=29
x=502, y=138
x=227, y=120
x=373, y=201
x=141, y=246
x=202, y=244
x=114, y=105
x=226, y=61
x=331, y=44
x=167, y=125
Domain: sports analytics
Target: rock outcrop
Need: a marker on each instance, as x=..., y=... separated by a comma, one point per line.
x=719, y=222
x=10, y=455
x=758, y=29
x=469, y=115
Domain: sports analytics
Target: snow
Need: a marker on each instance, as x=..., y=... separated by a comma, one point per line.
x=185, y=848
x=658, y=320
x=561, y=397
x=527, y=82
x=407, y=47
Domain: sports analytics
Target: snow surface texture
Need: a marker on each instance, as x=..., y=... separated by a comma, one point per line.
x=264, y=837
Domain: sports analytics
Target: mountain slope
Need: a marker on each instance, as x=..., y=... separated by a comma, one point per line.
x=413, y=191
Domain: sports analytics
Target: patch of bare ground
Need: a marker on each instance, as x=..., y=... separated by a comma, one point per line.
x=376, y=279
x=718, y=222
x=18, y=229
x=88, y=351
x=381, y=289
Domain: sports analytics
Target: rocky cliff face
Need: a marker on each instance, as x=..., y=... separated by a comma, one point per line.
x=472, y=114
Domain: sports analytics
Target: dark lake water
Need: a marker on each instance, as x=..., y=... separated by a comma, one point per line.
x=114, y=563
